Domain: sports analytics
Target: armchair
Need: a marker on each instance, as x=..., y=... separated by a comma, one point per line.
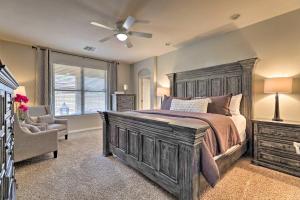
x=29, y=145
x=60, y=124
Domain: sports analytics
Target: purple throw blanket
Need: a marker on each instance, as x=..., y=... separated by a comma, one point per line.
x=221, y=135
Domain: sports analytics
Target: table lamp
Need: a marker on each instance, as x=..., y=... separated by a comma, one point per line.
x=20, y=90
x=277, y=86
x=161, y=91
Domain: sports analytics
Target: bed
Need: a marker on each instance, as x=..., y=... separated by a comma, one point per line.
x=169, y=151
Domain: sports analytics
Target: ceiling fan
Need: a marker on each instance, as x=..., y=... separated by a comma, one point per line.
x=121, y=31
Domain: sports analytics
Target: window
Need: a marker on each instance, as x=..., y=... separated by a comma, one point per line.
x=78, y=90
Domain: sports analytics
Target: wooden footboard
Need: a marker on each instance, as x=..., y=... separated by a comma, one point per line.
x=166, y=152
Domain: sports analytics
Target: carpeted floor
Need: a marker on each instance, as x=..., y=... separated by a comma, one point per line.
x=81, y=172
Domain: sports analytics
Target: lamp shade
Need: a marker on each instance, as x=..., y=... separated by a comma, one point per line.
x=161, y=91
x=278, y=85
x=20, y=90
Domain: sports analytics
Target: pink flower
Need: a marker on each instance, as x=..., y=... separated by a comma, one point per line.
x=23, y=107
x=20, y=98
x=25, y=99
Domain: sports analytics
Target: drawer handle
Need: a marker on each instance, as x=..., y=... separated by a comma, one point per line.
x=297, y=147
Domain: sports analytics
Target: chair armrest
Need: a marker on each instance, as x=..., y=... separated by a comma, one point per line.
x=41, y=126
x=60, y=121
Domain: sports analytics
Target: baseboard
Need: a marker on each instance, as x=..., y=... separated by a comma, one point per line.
x=85, y=129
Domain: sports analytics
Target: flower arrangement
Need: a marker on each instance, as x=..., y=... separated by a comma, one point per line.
x=21, y=107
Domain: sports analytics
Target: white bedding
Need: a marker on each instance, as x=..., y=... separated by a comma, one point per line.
x=240, y=123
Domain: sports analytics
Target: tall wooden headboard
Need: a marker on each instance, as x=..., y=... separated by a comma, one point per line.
x=218, y=80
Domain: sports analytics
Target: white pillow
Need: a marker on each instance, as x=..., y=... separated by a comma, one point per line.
x=195, y=105
x=235, y=103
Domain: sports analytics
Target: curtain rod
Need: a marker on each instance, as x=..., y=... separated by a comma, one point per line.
x=72, y=54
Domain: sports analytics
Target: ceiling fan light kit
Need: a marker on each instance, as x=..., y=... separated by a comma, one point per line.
x=122, y=37
x=121, y=31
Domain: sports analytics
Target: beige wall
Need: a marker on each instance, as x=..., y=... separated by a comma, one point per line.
x=20, y=60
x=275, y=42
x=124, y=77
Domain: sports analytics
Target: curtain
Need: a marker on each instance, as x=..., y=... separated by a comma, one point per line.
x=112, y=82
x=43, y=75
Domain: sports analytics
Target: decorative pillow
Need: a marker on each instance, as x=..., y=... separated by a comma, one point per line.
x=195, y=105
x=25, y=129
x=48, y=119
x=166, y=103
x=34, y=119
x=235, y=103
x=31, y=128
x=220, y=105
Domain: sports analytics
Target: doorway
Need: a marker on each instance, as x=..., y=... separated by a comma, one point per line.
x=144, y=89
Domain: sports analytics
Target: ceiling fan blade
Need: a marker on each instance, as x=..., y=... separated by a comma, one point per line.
x=128, y=43
x=102, y=26
x=142, y=21
x=128, y=22
x=106, y=38
x=140, y=34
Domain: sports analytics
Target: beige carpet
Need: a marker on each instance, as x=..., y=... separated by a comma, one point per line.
x=81, y=172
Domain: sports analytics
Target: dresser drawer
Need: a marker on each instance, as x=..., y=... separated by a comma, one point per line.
x=2, y=150
x=8, y=181
x=278, y=145
x=293, y=164
x=279, y=132
x=9, y=102
x=2, y=184
x=9, y=155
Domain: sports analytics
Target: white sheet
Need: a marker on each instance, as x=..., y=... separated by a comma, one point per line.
x=240, y=123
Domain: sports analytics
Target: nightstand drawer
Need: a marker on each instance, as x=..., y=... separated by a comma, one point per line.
x=279, y=161
x=278, y=145
x=279, y=132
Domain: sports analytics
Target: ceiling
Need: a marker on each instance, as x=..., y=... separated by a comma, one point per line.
x=65, y=24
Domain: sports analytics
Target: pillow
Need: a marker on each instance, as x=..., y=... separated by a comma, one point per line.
x=31, y=128
x=220, y=105
x=48, y=119
x=195, y=105
x=166, y=103
x=235, y=103
x=25, y=129
x=34, y=119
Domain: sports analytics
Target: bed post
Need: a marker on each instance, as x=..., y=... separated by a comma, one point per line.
x=189, y=172
x=246, y=107
x=106, y=150
x=172, y=79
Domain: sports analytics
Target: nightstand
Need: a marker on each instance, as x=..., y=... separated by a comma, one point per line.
x=277, y=145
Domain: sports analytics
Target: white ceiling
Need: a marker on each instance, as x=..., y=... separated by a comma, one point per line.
x=64, y=24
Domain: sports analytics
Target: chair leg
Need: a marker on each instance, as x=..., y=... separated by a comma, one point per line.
x=66, y=137
x=55, y=154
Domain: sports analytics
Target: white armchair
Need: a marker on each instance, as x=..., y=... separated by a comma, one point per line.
x=60, y=124
x=29, y=145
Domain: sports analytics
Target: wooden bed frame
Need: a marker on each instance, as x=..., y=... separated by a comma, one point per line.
x=169, y=153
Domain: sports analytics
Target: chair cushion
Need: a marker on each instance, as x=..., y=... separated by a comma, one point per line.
x=60, y=127
x=49, y=119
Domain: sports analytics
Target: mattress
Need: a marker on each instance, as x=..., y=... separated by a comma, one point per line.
x=240, y=123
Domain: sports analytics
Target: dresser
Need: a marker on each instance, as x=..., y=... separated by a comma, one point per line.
x=7, y=171
x=123, y=102
x=277, y=145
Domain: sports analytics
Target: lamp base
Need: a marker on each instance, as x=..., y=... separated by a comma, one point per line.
x=277, y=113
x=277, y=119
